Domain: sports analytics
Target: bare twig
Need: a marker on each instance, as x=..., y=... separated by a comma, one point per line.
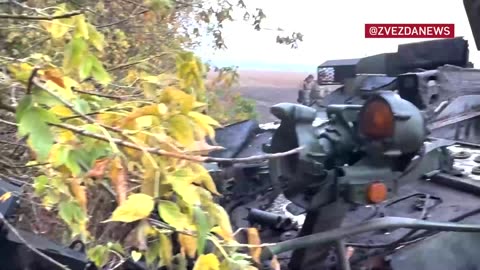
x=125, y=65
x=40, y=18
x=99, y=94
x=123, y=20
x=32, y=248
x=30, y=80
x=161, y=152
x=8, y=122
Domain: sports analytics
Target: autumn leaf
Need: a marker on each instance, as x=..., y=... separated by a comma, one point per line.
x=203, y=177
x=177, y=98
x=205, y=122
x=118, y=176
x=137, y=206
x=223, y=221
x=207, y=262
x=55, y=76
x=81, y=27
x=254, y=239
x=96, y=38
x=98, y=169
x=188, y=244
x=79, y=192
x=181, y=129
x=61, y=110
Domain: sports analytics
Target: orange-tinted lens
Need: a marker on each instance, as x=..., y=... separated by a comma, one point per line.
x=377, y=192
x=377, y=120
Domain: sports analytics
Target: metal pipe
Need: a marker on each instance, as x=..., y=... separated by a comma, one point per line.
x=343, y=260
x=386, y=223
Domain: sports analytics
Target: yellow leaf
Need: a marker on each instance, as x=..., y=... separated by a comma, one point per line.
x=137, y=206
x=254, y=239
x=21, y=72
x=207, y=262
x=96, y=38
x=205, y=122
x=5, y=196
x=79, y=192
x=223, y=221
x=61, y=110
x=81, y=27
x=188, y=244
x=65, y=136
x=222, y=233
x=57, y=28
x=188, y=192
x=136, y=256
x=204, y=178
x=181, y=129
x=177, y=98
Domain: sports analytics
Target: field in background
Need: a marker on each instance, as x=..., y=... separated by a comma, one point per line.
x=270, y=87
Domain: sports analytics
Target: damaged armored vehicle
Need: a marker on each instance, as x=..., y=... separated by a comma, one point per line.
x=386, y=176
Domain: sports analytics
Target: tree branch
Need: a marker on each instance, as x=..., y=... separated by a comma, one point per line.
x=98, y=94
x=161, y=152
x=40, y=18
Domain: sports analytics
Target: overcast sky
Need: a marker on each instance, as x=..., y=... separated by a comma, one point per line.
x=332, y=30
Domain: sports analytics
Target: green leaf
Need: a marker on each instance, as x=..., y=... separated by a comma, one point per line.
x=85, y=68
x=203, y=227
x=116, y=247
x=70, y=212
x=98, y=255
x=44, y=98
x=40, y=184
x=34, y=123
x=166, y=250
x=170, y=213
x=81, y=106
x=23, y=105
x=74, y=54
x=99, y=73
x=152, y=253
